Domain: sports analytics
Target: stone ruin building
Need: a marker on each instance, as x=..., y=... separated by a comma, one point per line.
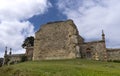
x=15, y=58
x=61, y=40
x=58, y=40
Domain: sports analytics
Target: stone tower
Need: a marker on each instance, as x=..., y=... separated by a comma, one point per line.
x=105, y=56
x=56, y=40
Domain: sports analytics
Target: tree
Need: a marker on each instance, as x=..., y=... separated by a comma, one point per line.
x=29, y=41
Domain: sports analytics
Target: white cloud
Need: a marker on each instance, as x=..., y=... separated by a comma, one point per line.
x=91, y=16
x=14, y=26
x=22, y=9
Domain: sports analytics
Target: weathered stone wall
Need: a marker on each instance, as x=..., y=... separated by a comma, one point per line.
x=57, y=40
x=29, y=52
x=113, y=54
x=15, y=57
x=93, y=50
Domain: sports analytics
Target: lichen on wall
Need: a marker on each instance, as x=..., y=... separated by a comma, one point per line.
x=57, y=40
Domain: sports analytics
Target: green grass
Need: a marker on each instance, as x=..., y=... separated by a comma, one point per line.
x=75, y=67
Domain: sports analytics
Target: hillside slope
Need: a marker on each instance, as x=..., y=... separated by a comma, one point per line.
x=76, y=67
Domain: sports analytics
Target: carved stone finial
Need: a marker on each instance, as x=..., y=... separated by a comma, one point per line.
x=103, y=35
x=10, y=51
x=6, y=50
x=103, y=32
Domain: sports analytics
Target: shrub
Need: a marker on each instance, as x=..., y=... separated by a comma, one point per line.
x=23, y=58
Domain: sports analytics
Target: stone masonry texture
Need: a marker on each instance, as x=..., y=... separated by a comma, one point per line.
x=57, y=40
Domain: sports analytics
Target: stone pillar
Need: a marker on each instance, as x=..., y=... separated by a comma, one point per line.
x=5, y=56
x=29, y=52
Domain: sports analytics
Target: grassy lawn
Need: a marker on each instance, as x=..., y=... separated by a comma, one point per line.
x=75, y=67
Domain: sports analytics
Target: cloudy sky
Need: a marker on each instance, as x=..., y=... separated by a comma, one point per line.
x=22, y=18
